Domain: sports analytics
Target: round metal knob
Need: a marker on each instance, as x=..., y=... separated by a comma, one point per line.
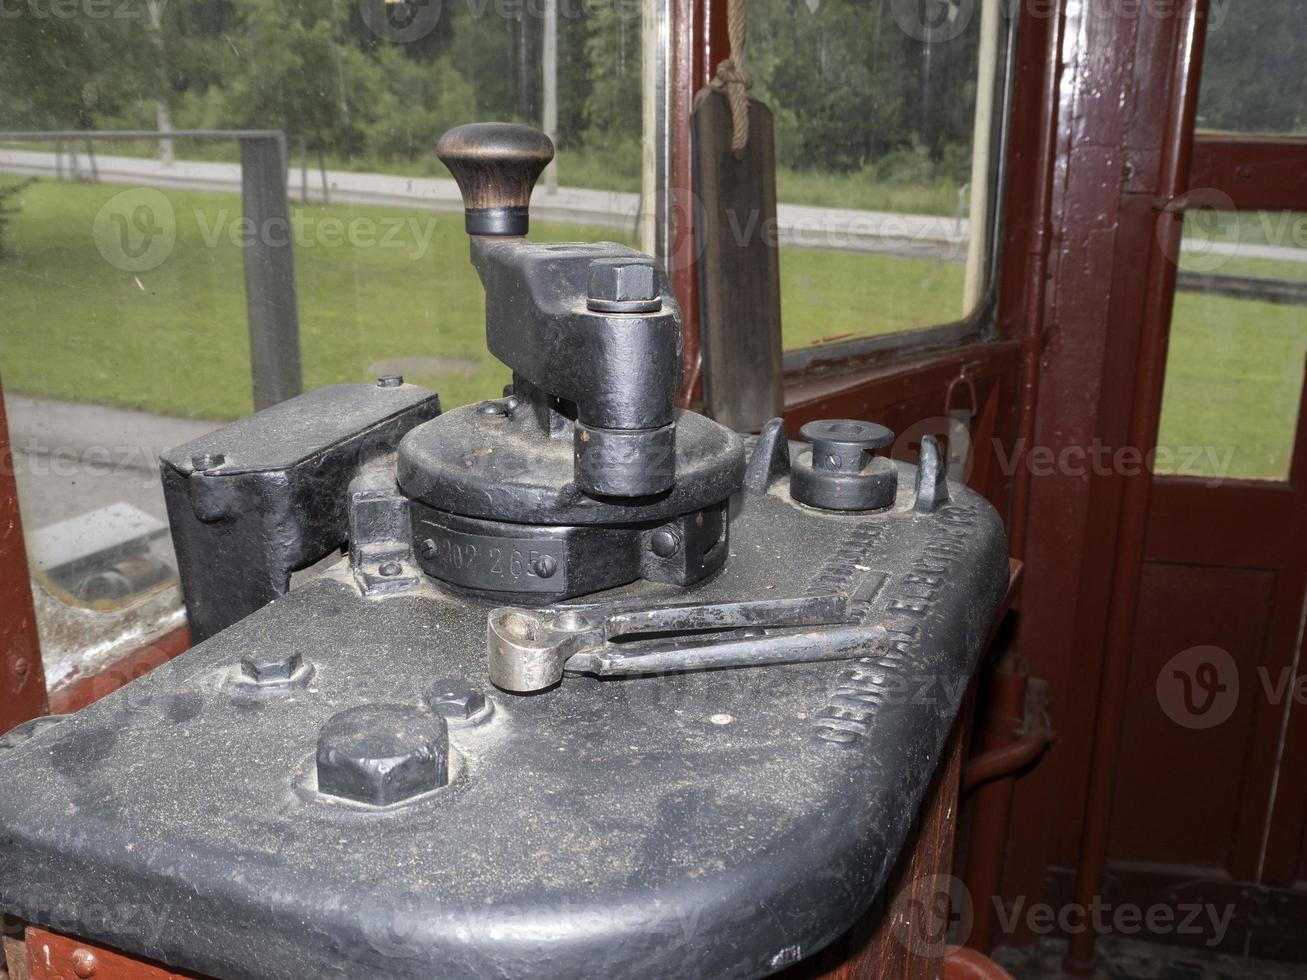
x=844, y=444
x=496, y=166
x=842, y=471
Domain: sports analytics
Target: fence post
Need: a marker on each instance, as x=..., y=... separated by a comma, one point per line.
x=270, y=295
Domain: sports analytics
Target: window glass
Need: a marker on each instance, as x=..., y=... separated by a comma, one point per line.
x=1254, y=54
x=878, y=132
x=1238, y=347
x=124, y=328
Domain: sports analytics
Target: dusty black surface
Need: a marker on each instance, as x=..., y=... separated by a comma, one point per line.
x=714, y=824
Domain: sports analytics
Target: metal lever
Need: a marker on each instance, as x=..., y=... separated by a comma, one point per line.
x=531, y=649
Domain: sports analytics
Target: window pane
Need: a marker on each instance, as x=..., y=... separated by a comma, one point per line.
x=1238, y=346
x=123, y=321
x=875, y=110
x=1254, y=56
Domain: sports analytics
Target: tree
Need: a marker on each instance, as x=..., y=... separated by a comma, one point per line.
x=1252, y=69
x=298, y=70
x=68, y=72
x=418, y=101
x=614, y=52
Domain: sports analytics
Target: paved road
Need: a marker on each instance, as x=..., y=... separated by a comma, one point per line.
x=840, y=229
x=879, y=232
x=71, y=458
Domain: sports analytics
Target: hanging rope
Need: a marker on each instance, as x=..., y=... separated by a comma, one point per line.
x=733, y=78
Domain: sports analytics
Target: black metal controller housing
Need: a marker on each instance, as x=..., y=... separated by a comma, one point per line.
x=602, y=690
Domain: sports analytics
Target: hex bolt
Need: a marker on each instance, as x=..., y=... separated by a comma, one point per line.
x=389, y=569
x=665, y=542
x=390, y=381
x=208, y=461
x=271, y=669
x=844, y=445
x=382, y=754
x=545, y=566
x=622, y=286
x=456, y=699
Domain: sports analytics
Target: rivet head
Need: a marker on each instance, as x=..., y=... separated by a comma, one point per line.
x=665, y=542
x=545, y=566
x=83, y=961
x=382, y=754
x=389, y=569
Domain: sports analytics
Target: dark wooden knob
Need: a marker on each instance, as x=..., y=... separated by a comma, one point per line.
x=496, y=166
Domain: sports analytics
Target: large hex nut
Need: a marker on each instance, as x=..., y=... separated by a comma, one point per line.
x=625, y=285
x=382, y=754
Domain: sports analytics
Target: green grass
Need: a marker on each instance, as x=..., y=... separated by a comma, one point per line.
x=174, y=340
x=828, y=295
x=1233, y=381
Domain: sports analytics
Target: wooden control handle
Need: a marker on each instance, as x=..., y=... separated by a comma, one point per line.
x=496, y=166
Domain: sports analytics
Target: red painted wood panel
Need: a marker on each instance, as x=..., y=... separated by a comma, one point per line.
x=1181, y=772
x=51, y=956
x=22, y=676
